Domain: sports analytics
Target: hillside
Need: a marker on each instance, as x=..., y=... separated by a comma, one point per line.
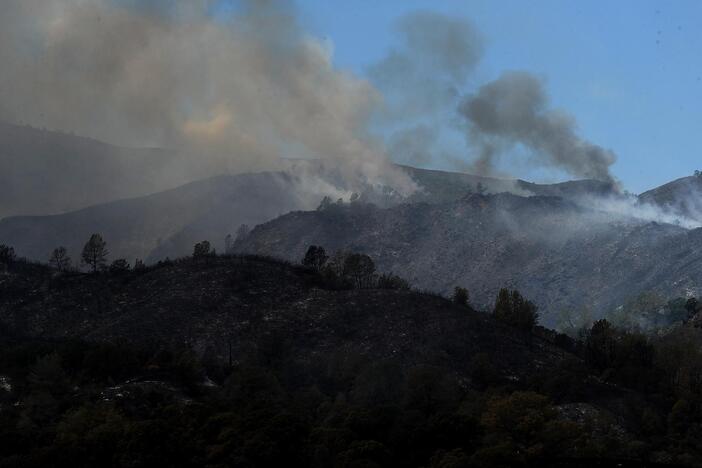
x=250, y=361
x=683, y=196
x=162, y=224
x=167, y=224
x=213, y=303
x=44, y=172
x=558, y=253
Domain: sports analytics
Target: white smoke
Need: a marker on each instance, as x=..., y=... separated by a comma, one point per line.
x=238, y=92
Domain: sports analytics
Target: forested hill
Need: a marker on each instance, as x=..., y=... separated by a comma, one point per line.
x=250, y=361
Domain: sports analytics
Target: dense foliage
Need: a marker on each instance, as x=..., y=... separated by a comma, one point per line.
x=79, y=404
x=618, y=396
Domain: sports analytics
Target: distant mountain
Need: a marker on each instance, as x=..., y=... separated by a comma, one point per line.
x=167, y=224
x=455, y=230
x=555, y=251
x=682, y=196
x=163, y=224
x=44, y=172
x=443, y=186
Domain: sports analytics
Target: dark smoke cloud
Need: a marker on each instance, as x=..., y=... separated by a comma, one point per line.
x=237, y=92
x=514, y=110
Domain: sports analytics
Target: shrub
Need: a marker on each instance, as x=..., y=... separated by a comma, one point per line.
x=360, y=268
x=119, y=266
x=202, y=249
x=391, y=281
x=315, y=257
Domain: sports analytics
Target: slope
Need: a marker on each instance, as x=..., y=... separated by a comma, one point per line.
x=556, y=252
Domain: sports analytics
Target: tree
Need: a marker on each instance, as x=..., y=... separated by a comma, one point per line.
x=95, y=252
x=60, y=260
x=120, y=265
x=600, y=345
x=522, y=427
x=460, y=296
x=513, y=309
x=360, y=268
x=139, y=265
x=315, y=257
x=698, y=173
x=7, y=254
x=243, y=232
x=202, y=249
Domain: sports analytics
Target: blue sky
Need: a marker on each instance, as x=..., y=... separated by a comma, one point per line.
x=629, y=71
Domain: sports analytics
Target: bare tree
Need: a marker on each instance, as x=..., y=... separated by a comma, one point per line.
x=95, y=252
x=242, y=232
x=59, y=259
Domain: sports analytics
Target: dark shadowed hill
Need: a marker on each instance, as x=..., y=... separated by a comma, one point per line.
x=165, y=223
x=250, y=361
x=241, y=301
x=44, y=172
x=556, y=252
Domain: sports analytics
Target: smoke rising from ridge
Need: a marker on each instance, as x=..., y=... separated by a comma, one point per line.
x=421, y=79
x=513, y=110
x=428, y=75
x=238, y=92
x=425, y=72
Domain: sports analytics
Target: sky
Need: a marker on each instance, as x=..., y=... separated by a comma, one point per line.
x=629, y=71
x=552, y=90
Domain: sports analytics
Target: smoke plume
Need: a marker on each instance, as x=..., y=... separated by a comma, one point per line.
x=425, y=72
x=514, y=110
x=421, y=80
x=238, y=91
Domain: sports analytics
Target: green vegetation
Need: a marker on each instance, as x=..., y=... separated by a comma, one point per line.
x=615, y=395
x=86, y=404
